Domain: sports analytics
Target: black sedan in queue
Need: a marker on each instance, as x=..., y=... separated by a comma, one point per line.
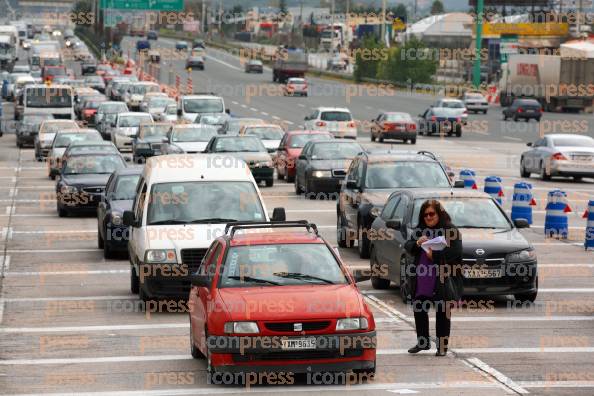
x=322, y=165
x=83, y=178
x=112, y=234
x=496, y=259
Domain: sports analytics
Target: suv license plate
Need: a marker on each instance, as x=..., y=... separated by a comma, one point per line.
x=299, y=343
x=482, y=273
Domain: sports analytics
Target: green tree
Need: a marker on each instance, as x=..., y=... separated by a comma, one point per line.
x=366, y=63
x=400, y=12
x=408, y=63
x=437, y=8
x=282, y=6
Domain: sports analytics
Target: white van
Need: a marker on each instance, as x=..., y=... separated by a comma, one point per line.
x=183, y=203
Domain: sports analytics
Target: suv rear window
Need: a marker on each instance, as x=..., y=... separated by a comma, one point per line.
x=405, y=175
x=335, y=116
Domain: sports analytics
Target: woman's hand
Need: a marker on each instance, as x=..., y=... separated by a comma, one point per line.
x=421, y=240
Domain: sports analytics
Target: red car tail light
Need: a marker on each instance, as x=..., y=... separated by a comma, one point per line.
x=433, y=118
x=559, y=157
x=520, y=110
x=320, y=123
x=351, y=124
x=411, y=127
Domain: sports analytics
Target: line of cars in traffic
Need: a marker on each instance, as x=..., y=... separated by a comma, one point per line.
x=194, y=225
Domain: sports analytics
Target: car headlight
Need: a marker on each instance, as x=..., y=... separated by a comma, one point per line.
x=143, y=146
x=161, y=256
x=116, y=219
x=263, y=164
x=351, y=324
x=325, y=173
x=241, y=328
x=66, y=189
x=522, y=255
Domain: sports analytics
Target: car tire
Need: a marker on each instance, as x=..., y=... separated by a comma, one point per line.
x=403, y=281
x=372, y=137
x=523, y=171
x=280, y=176
x=504, y=117
x=459, y=131
x=538, y=119
x=52, y=176
x=290, y=179
x=341, y=231
x=516, y=118
x=142, y=294
x=194, y=351
x=134, y=281
x=100, y=241
x=269, y=182
x=484, y=111
x=413, y=141
x=108, y=252
x=362, y=244
x=543, y=172
x=380, y=139
x=527, y=297
x=298, y=189
x=376, y=282
x=62, y=212
x=577, y=178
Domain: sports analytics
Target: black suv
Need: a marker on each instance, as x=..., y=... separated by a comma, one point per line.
x=496, y=258
x=370, y=180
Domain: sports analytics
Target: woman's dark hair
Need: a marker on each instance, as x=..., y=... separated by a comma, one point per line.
x=444, y=218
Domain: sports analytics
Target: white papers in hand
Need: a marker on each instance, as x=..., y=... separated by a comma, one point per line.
x=435, y=244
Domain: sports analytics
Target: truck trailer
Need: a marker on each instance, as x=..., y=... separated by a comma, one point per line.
x=287, y=63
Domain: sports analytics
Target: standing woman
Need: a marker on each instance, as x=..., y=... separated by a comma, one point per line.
x=428, y=281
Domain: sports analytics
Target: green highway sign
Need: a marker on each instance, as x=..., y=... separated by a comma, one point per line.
x=146, y=5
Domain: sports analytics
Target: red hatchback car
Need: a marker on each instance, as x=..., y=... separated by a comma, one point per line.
x=269, y=299
x=290, y=148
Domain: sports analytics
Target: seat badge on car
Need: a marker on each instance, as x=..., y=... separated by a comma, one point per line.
x=297, y=326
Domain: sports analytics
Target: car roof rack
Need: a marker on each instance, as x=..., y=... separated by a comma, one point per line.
x=232, y=227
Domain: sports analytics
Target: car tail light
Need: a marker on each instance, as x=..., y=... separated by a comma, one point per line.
x=559, y=157
x=411, y=127
x=351, y=124
x=458, y=119
x=320, y=123
x=433, y=118
x=540, y=109
x=520, y=110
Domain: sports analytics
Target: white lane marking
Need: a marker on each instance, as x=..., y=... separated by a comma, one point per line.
x=64, y=298
x=300, y=105
x=244, y=106
x=498, y=350
x=298, y=389
x=60, y=273
x=264, y=113
x=52, y=250
x=556, y=384
x=543, y=290
x=403, y=391
x=515, y=139
x=288, y=122
x=497, y=375
x=254, y=109
x=276, y=118
x=224, y=63
x=392, y=311
x=83, y=329
x=56, y=232
x=91, y=360
x=234, y=102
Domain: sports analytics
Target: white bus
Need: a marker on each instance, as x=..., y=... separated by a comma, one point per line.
x=57, y=100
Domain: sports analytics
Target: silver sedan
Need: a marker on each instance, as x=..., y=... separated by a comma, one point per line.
x=559, y=155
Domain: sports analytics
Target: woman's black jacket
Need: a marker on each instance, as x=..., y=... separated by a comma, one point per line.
x=448, y=259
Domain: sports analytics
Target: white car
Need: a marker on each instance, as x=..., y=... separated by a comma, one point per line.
x=169, y=113
x=136, y=91
x=475, y=102
x=269, y=134
x=183, y=203
x=336, y=120
x=126, y=127
x=45, y=137
x=191, y=106
x=143, y=106
x=62, y=140
x=156, y=106
x=189, y=138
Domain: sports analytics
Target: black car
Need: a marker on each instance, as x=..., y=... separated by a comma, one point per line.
x=195, y=62
x=523, y=108
x=248, y=148
x=88, y=67
x=496, y=258
x=322, y=165
x=152, y=35
x=28, y=128
x=149, y=141
x=83, y=178
x=112, y=234
x=198, y=43
x=370, y=180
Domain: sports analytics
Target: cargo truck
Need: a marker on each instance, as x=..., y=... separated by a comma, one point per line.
x=558, y=83
x=287, y=63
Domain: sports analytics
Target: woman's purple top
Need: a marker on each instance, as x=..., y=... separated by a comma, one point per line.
x=426, y=276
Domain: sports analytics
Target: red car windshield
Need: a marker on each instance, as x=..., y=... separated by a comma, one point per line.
x=281, y=265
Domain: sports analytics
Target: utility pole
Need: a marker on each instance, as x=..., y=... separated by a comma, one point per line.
x=476, y=71
x=383, y=22
x=203, y=16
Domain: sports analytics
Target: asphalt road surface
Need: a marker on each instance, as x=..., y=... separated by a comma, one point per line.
x=69, y=325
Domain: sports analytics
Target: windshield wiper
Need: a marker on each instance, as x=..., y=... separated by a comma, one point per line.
x=252, y=279
x=211, y=220
x=470, y=226
x=299, y=275
x=170, y=221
